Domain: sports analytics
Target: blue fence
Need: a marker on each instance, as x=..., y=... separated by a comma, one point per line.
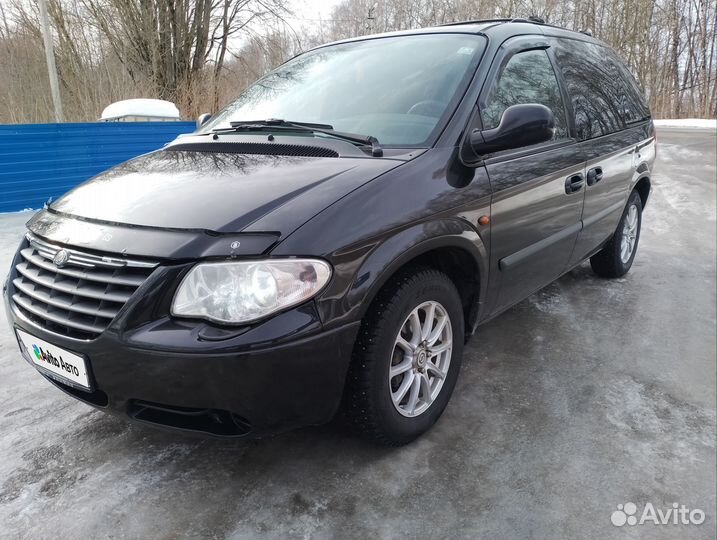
x=39, y=161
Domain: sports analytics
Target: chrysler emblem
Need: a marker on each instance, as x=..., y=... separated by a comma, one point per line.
x=61, y=257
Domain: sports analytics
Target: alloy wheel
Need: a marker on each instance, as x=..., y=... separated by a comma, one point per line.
x=629, y=234
x=420, y=360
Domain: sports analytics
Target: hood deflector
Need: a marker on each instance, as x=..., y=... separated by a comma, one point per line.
x=267, y=149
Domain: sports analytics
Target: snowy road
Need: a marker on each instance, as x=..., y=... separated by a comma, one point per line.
x=587, y=395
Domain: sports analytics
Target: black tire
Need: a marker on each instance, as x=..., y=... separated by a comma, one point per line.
x=368, y=404
x=608, y=262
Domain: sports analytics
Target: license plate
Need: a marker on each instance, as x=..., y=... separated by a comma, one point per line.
x=67, y=366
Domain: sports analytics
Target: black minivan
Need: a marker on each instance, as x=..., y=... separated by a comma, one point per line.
x=331, y=238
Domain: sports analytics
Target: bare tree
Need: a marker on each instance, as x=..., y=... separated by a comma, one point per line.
x=202, y=53
x=668, y=44
x=172, y=41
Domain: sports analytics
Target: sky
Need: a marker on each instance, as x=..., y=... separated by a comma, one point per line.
x=308, y=13
x=313, y=9
x=307, y=16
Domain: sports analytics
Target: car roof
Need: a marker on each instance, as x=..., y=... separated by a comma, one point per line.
x=499, y=29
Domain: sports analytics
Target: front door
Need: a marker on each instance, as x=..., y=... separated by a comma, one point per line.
x=538, y=191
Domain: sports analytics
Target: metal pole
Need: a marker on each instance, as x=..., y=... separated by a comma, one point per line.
x=50, y=56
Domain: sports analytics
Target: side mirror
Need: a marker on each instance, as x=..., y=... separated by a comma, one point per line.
x=520, y=125
x=203, y=119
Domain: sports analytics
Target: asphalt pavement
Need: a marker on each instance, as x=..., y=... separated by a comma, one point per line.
x=588, y=395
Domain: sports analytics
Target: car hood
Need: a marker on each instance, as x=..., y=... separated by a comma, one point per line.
x=219, y=191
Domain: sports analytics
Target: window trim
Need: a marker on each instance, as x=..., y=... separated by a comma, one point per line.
x=517, y=153
x=567, y=101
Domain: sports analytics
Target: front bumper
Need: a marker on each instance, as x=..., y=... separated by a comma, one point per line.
x=281, y=374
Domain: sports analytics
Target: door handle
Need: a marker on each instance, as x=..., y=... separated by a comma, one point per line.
x=594, y=175
x=574, y=183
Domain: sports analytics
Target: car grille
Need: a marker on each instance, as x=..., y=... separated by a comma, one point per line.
x=77, y=297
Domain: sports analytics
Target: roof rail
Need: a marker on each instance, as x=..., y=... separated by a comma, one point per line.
x=476, y=21
x=530, y=20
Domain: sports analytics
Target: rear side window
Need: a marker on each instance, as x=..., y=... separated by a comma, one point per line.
x=634, y=109
x=528, y=77
x=593, y=81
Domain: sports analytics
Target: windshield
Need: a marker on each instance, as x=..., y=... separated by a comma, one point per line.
x=396, y=89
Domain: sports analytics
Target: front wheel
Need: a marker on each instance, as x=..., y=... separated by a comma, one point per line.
x=406, y=358
x=616, y=257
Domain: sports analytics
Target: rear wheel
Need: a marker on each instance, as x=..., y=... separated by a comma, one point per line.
x=406, y=359
x=616, y=257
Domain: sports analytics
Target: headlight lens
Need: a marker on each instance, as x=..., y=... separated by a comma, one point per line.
x=244, y=291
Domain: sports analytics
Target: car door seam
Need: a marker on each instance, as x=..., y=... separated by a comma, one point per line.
x=602, y=214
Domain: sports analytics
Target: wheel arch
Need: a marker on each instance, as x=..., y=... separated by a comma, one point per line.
x=451, y=246
x=643, y=185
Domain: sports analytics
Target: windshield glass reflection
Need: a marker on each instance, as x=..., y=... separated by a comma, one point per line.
x=395, y=89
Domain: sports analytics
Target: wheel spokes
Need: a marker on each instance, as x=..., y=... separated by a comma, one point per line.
x=428, y=321
x=421, y=358
x=407, y=347
x=407, y=382
x=401, y=367
x=415, y=323
x=426, y=395
x=435, y=351
x=435, y=370
x=413, y=396
x=433, y=336
x=629, y=234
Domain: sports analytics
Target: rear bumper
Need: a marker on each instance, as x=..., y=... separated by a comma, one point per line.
x=283, y=374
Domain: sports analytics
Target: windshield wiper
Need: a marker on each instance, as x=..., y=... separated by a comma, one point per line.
x=280, y=122
x=305, y=127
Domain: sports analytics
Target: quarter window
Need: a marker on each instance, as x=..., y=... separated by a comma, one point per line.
x=528, y=77
x=599, y=104
x=633, y=107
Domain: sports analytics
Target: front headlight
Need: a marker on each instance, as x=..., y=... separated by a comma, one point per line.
x=245, y=291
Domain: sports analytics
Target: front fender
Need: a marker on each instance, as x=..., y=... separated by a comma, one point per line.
x=360, y=273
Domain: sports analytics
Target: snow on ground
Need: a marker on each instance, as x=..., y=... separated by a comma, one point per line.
x=703, y=123
x=589, y=394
